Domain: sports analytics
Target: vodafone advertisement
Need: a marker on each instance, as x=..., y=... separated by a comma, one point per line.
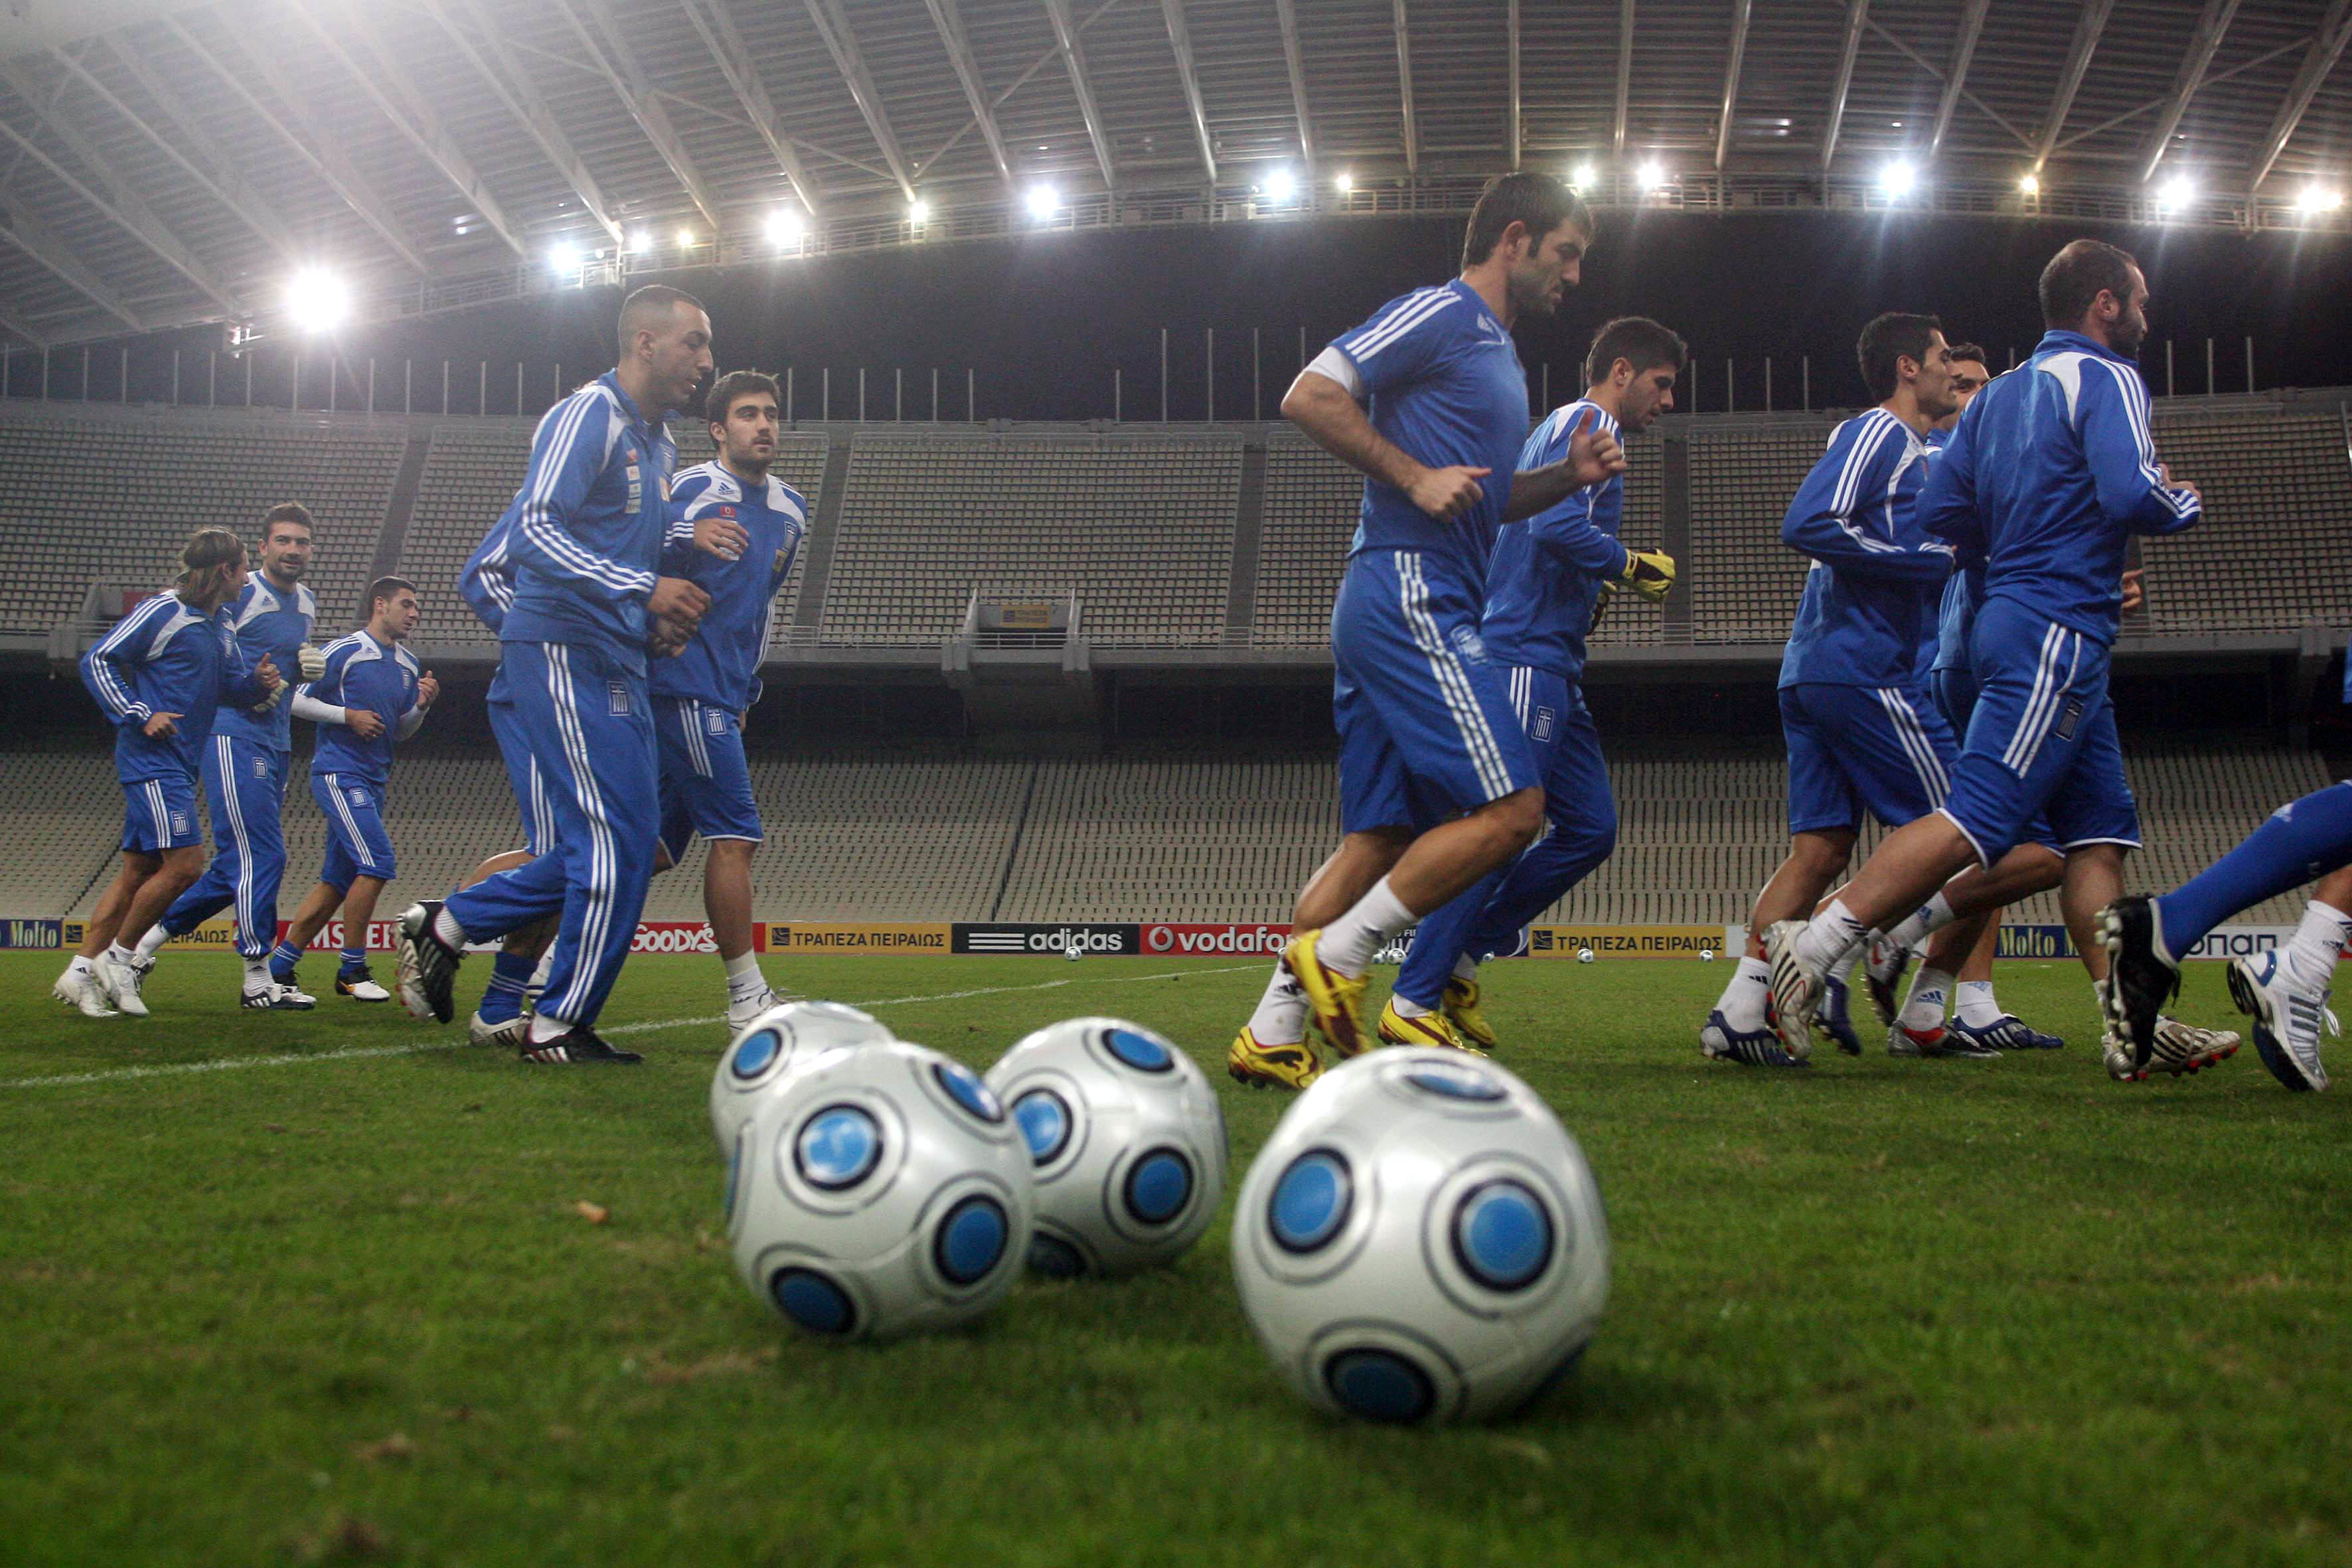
x=1213, y=940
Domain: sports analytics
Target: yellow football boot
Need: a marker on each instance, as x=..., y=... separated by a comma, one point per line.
x=1255, y=1066
x=1336, y=1000
x=1429, y=1029
x=1460, y=1005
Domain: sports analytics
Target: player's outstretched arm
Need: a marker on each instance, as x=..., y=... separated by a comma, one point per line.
x=1327, y=412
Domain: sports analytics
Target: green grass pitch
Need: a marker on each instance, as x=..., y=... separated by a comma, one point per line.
x=343, y=1307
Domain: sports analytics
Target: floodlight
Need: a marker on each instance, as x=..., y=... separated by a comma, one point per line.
x=1044, y=201
x=318, y=301
x=918, y=211
x=1898, y=179
x=1652, y=175
x=1280, y=186
x=1583, y=176
x=2175, y=192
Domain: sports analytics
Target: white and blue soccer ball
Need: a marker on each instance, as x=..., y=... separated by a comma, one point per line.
x=1127, y=1140
x=1584, y=955
x=765, y=1052
x=880, y=1191
x=1421, y=1240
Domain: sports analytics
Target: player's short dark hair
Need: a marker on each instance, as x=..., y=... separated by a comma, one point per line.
x=207, y=548
x=2077, y=275
x=383, y=588
x=1958, y=352
x=1541, y=202
x=738, y=383
x=292, y=511
x=646, y=307
x=1895, y=335
x=1639, y=341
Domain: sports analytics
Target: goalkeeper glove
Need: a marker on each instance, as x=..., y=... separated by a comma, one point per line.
x=1649, y=572
x=314, y=664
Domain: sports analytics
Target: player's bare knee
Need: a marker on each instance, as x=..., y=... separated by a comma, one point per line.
x=1822, y=855
x=1517, y=818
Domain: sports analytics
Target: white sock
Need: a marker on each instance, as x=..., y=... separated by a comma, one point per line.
x=1406, y=1007
x=1742, y=1004
x=1465, y=968
x=1843, y=970
x=80, y=966
x=1348, y=942
x=256, y=974
x=546, y=964
x=1829, y=936
x=1978, y=1009
x=1281, y=1015
x=1930, y=989
x=117, y=953
x=544, y=1028
x=152, y=942
x=1931, y=917
x=2312, y=952
x=744, y=981
x=446, y=927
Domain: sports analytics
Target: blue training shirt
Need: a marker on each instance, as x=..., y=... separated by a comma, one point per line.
x=365, y=673
x=2050, y=472
x=721, y=664
x=1862, y=619
x=274, y=622
x=1446, y=388
x=584, y=535
x=165, y=656
x=1547, y=570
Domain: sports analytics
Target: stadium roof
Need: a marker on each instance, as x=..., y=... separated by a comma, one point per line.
x=163, y=164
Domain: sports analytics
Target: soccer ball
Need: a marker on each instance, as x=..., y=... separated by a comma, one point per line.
x=880, y=1191
x=1584, y=955
x=770, y=1047
x=1421, y=1240
x=1706, y=955
x=1127, y=1139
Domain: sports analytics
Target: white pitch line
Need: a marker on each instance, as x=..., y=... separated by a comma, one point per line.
x=438, y=1043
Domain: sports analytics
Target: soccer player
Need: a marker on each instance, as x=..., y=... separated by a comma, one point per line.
x=1860, y=732
x=1547, y=584
x=584, y=537
x=371, y=695
x=160, y=675
x=245, y=767
x=1437, y=785
x=701, y=695
x=2051, y=471
x=2283, y=990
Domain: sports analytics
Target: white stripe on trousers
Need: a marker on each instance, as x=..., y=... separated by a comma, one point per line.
x=1916, y=744
x=690, y=714
x=2042, y=671
x=1485, y=757
x=603, y=860
x=350, y=825
x=2049, y=690
x=2057, y=699
x=225, y=761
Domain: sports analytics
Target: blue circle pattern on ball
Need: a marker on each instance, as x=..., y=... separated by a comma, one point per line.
x=971, y=1239
x=812, y=1302
x=1140, y=1052
x=1044, y=1122
x=1455, y=1083
x=1378, y=1385
x=1503, y=1236
x=1158, y=1186
x=966, y=1089
x=757, y=1053
x=1311, y=1201
x=839, y=1147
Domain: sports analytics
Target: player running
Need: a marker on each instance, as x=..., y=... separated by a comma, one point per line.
x=584, y=537
x=371, y=695
x=245, y=766
x=1547, y=584
x=1436, y=784
x=160, y=675
x=1860, y=732
x=701, y=695
x=2283, y=990
x=2050, y=472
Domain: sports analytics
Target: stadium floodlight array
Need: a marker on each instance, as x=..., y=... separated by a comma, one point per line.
x=318, y=301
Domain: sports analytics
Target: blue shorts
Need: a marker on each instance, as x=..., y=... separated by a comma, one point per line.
x=357, y=845
x=2042, y=739
x=1955, y=691
x=705, y=783
x=513, y=736
x=1880, y=749
x=159, y=814
x=1426, y=727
